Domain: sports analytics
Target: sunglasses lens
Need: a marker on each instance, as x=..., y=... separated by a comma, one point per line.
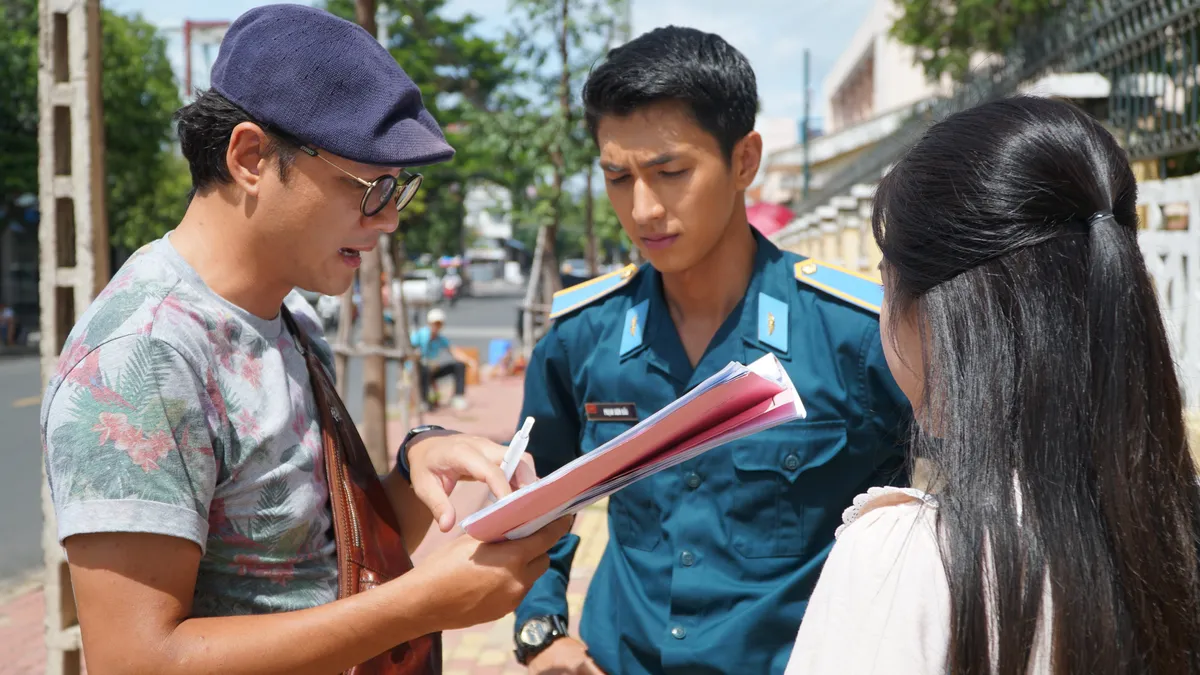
x=379, y=194
x=408, y=191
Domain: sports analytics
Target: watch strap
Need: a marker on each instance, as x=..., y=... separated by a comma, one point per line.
x=402, y=452
x=559, y=628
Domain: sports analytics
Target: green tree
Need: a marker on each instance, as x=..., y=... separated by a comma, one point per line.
x=555, y=43
x=946, y=33
x=459, y=72
x=147, y=181
x=19, y=104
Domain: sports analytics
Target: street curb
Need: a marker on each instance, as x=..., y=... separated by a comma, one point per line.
x=20, y=585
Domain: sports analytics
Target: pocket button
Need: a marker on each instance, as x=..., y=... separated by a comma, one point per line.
x=791, y=462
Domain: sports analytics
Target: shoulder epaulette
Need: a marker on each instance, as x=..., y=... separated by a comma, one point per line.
x=855, y=288
x=589, y=291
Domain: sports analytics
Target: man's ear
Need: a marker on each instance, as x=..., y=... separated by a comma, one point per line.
x=246, y=157
x=747, y=155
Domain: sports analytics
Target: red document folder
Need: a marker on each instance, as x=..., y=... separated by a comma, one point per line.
x=734, y=403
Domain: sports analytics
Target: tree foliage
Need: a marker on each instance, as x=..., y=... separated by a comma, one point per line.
x=537, y=134
x=458, y=72
x=947, y=33
x=147, y=181
x=497, y=100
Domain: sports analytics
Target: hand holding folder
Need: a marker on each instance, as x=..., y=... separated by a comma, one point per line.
x=734, y=403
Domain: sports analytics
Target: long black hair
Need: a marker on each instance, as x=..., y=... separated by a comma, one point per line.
x=1052, y=416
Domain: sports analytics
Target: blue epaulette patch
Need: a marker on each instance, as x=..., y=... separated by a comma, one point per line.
x=856, y=289
x=579, y=295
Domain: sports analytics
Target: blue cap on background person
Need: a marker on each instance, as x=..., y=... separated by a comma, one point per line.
x=329, y=83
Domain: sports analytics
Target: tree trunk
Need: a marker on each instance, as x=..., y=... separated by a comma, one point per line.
x=393, y=267
x=589, y=220
x=364, y=13
x=374, y=367
x=537, y=274
x=549, y=255
x=345, y=330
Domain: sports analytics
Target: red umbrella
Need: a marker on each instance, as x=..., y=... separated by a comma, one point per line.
x=769, y=218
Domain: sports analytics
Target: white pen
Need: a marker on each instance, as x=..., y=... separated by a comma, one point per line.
x=512, y=457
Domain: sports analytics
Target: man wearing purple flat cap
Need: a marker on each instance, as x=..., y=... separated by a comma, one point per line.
x=182, y=438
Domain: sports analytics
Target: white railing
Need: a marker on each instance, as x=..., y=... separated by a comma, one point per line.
x=1170, y=214
x=840, y=233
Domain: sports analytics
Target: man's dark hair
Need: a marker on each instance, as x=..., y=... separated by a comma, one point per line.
x=204, y=127
x=700, y=70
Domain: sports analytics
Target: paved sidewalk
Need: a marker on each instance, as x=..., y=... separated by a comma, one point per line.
x=483, y=650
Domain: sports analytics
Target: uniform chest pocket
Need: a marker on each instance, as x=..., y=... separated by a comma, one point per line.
x=634, y=514
x=772, y=512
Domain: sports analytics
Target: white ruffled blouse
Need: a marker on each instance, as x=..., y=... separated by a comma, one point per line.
x=882, y=604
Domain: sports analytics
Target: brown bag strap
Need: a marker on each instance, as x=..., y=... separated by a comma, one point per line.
x=371, y=548
x=342, y=431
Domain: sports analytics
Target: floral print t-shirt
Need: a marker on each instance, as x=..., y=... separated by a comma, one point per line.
x=174, y=412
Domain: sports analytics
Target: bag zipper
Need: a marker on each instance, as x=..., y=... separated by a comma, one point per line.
x=355, y=530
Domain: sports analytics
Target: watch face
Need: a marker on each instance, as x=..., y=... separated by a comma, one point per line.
x=534, y=632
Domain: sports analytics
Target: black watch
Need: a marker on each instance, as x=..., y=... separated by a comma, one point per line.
x=537, y=634
x=402, y=452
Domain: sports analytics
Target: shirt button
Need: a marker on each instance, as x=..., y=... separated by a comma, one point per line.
x=678, y=632
x=693, y=480
x=791, y=462
x=687, y=558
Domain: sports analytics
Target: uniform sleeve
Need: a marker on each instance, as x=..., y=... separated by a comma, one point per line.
x=887, y=407
x=127, y=443
x=882, y=604
x=553, y=443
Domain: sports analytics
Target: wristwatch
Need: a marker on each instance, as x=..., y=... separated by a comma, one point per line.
x=402, y=453
x=537, y=634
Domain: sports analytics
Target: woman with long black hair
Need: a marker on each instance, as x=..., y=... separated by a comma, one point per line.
x=1060, y=531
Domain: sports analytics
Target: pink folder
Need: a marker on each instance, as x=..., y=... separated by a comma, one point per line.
x=734, y=403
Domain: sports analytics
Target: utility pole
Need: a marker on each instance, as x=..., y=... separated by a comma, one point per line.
x=807, y=122
x=72, y=245
x=374, y=365
x=589, y=219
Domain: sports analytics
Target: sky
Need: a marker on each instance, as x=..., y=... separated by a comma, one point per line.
x=771, y=33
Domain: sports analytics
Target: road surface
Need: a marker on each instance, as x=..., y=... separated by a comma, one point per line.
x=472, y=322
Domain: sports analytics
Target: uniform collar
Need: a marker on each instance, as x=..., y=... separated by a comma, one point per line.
x=766, y=311
x=761, y=317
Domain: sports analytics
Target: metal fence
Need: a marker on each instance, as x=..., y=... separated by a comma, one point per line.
x=1148, y=49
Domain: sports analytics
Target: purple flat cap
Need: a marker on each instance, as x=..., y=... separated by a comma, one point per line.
x=327, y=82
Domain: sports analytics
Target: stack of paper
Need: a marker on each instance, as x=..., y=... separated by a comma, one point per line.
x=734, y=403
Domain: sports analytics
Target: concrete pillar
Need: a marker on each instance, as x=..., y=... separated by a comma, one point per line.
x=849, y=233
x=798, y=241
x=72, y=241
x=812, y=236
x=869, y=255
x=830, y=250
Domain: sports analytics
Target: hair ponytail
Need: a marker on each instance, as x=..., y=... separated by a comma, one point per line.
x=1060, y=444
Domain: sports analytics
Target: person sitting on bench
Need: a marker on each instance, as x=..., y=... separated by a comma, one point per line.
x=439, y=359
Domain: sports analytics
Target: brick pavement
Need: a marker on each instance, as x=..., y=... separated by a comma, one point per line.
x=482, y=650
